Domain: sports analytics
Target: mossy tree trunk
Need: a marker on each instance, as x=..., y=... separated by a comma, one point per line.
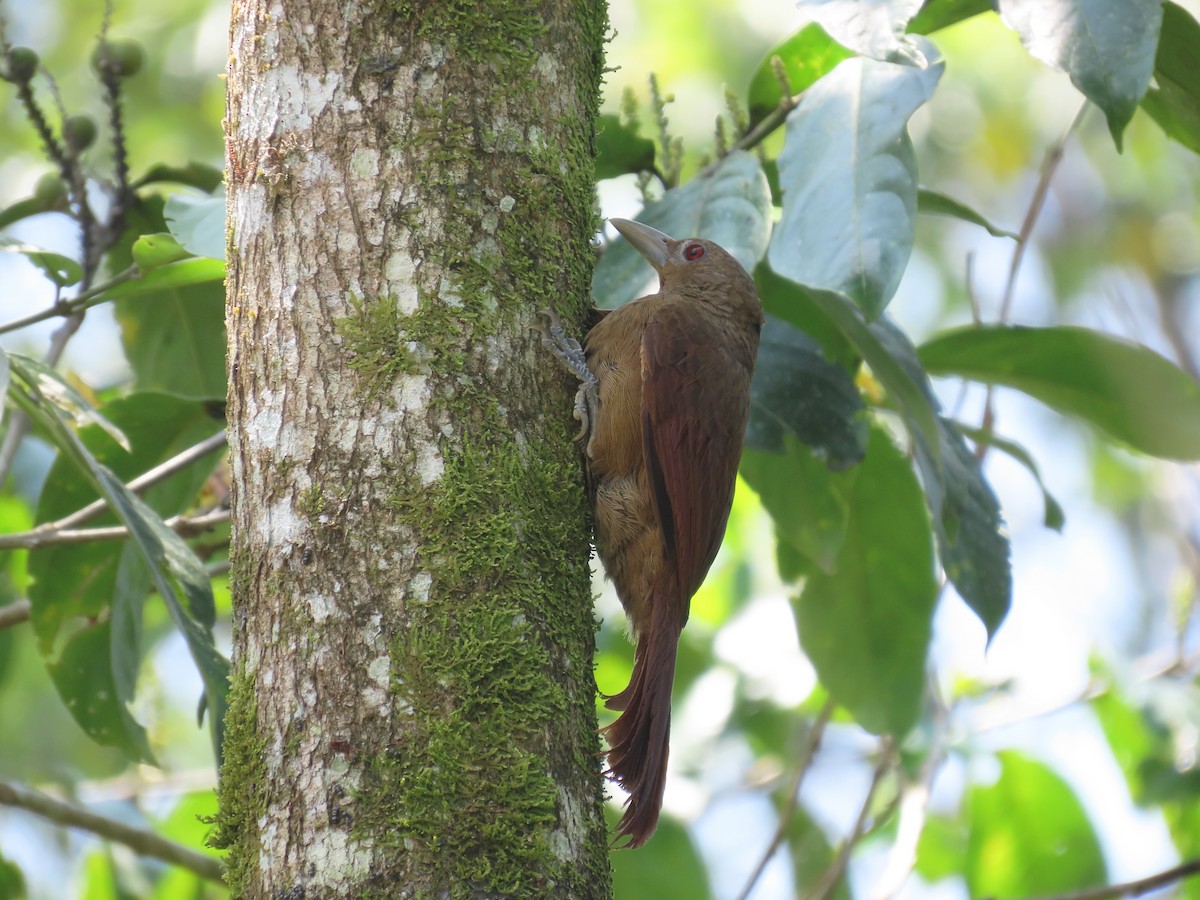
x=412, y=709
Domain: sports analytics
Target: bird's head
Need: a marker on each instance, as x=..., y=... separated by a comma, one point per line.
x=692, y=266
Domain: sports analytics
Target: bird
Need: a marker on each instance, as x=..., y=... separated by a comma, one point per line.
x=663, y=403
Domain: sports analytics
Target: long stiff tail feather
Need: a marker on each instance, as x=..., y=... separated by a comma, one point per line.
x=639, y=740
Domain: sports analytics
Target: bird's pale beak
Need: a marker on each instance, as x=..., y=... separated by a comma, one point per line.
x=650, y=242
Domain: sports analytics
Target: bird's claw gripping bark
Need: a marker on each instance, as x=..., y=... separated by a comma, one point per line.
x=570, y=354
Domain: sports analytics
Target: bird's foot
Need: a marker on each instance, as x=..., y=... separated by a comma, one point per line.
x=570, y=353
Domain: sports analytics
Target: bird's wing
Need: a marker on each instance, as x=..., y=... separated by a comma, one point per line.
x=693, y=417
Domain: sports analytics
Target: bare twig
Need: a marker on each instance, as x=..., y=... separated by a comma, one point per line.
x=1053, y=157
x=84, y=300
x=793, y=796
x=14, y=613
x=146, y=479
x=1132, y=888
x=837, y=869
x=914, y=807
x=185, y=526
x=1175, y=330
x=145, y=843
x=1145, y=669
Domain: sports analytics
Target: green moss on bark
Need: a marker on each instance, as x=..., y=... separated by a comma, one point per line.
x=492, y=660
x=242, y=787
x=464, y=795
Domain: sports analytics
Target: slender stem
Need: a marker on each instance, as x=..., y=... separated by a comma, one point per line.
x=145, y=843
x=1053, y=157
x=14, y=613
x=146, y=479
x=1175, y=330
x=1049, y=167
x=85, y=300
x=1132, y=888
x=762, y=130
x=793, y=796
x=187, y=526
x=837, y=869
x=914, y=807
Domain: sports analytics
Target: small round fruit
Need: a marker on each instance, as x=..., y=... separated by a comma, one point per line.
x=122, y=58
x=79, y=132
x=22, y=64
x=51, y=191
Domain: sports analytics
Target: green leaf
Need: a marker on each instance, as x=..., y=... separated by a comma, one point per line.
x=153, y=250
x=86, y=682
x=795, y=391
x=806, y=56
x=1125, y=389
x=31, y=206
x=1052, y=513
x=811, y=856
x=1107, y=47
x=61, y=270
x=668, y=867
x=1029, y=835
x=12, y=881
x=933, y=203
x=972, y=541
x=941, y=848
x=195, y=174
x=198, y=223
x=788, y=301
x=1129, y=737
x=1148, y=738
x=181, y=274
x=972, y=544
x=849, y=180
x=938, y=14
x=905, y=384
x=176, y=573
x=1174, y=98
x=866, y=627
x=172, y=318
x=175, y=341
x=730, y=205
x=620, y=149
x=57, y=391
x=874, y=28
x=806, y=501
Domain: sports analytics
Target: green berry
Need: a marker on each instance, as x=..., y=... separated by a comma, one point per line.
x=79, y=132
x=22, y=64
x=121, y=58
x=51, y=191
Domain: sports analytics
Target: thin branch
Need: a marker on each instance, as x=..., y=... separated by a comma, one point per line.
x=760, y=132
x=914, y=807
x=816, y=732
x=146, y=479
x=1145, y=669
x=14, y=613
x=837, y=869
x=1053, y=157
x=1132, y=888
x=1175, y=331
x=185, y=526
x=93, y=296
x=145, y=843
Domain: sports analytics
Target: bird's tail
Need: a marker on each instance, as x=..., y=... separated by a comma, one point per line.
x=639, y=740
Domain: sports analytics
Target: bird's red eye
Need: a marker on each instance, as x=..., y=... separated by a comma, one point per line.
x=693, y=252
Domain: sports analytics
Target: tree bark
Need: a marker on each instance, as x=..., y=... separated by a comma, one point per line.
x=412, y=707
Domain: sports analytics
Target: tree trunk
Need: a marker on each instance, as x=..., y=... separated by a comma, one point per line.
x=412, y=709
